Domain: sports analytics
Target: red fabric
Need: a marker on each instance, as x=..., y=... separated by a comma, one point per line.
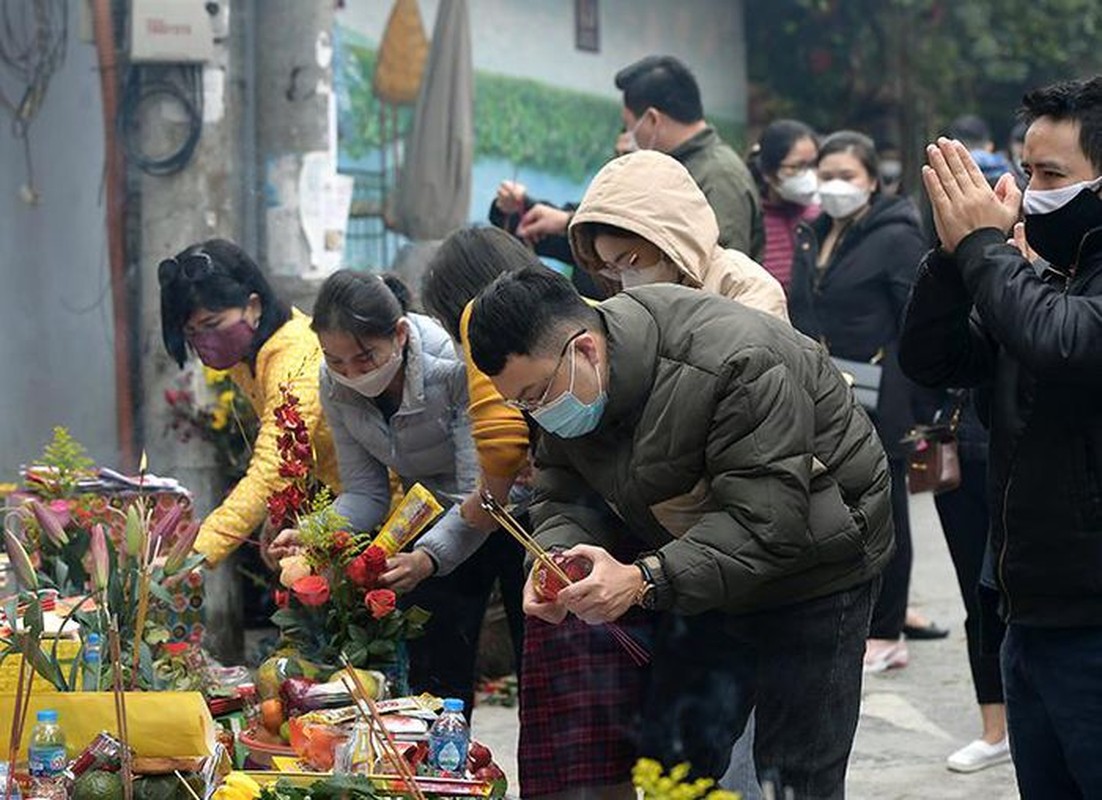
x=781, y=220
x=580, y=701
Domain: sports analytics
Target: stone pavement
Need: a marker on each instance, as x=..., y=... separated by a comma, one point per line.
x=911, y=719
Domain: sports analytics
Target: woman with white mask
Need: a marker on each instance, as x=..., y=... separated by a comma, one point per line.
x=783, y=164
x=644, y=220
x=394, y=392
x=851, y=277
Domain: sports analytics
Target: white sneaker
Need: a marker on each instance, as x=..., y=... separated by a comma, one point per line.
x=979, y=755
x=882, y=655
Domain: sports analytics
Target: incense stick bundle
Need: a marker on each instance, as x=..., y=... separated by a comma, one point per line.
x=22, y=705
x=120, y=708
x=390, y=749
x=506, y=520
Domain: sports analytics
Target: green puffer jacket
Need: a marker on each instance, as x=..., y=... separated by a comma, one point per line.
x=732, y=447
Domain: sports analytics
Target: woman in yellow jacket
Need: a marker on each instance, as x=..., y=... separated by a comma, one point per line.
x=216, y=302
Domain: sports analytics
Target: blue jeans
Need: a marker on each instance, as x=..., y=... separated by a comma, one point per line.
x=1053, y=683
x=799, y=668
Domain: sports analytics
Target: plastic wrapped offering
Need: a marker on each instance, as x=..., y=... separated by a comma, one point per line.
x=416, y=511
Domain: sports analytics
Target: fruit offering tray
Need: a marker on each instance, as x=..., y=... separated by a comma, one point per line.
x=389, y=784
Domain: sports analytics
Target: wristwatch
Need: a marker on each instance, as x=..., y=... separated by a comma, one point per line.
x=647, y=596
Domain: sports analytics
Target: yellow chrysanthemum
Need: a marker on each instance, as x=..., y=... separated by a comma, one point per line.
x=219, y=419
x=226, y=398
x=214, y=376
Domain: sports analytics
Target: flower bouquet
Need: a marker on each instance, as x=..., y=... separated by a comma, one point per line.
x=331, y=606
x=227, y=421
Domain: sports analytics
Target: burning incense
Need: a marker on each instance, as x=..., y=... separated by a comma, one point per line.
x=636, y=651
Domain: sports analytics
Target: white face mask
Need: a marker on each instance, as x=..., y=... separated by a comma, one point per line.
x=841, y=199
x=1045, y=201
x=632, y=144
x=800, y=188
x=374, y=383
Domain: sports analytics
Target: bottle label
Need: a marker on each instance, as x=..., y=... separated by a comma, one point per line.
x=448, y=757
x=46, y=762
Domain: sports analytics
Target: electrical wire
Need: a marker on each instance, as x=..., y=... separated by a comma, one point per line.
x=180, y=85
x=32, y=48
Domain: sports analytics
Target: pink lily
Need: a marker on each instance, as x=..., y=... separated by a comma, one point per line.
x=165, y=526
x=181, y=549
x=49, y=523
x=101, y=563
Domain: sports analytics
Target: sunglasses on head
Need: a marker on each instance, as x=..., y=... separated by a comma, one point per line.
x=194, y=266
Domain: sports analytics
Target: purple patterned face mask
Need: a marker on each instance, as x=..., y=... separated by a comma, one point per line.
x=221, y=348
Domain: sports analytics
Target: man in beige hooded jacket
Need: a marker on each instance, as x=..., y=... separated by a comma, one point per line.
x=651, y=196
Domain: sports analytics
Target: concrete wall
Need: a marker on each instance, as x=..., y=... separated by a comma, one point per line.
x=55, y=303
x=535, y=39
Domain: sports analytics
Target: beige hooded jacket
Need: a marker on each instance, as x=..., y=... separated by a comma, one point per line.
x=652, y=195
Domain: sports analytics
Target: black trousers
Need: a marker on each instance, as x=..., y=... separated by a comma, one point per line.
x=964, y=520
x=890, y=611
x=798, y=667
x=443, y=660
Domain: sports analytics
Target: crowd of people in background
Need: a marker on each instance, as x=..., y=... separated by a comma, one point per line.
x=683, y=412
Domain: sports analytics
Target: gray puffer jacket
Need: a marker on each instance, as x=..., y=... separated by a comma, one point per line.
x=732, y=447
x=427, y=440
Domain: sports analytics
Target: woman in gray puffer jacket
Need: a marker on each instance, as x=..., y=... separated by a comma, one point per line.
x=395, y=395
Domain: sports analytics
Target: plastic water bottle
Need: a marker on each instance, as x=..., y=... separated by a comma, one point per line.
x=91, y=672
x=449, y=740
x=46, y=758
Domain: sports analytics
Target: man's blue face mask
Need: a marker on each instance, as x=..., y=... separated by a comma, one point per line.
x=566, y=415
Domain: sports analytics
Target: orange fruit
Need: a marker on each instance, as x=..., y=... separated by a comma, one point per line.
x=271, y=715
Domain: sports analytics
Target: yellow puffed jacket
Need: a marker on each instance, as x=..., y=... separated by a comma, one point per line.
x=291, y=355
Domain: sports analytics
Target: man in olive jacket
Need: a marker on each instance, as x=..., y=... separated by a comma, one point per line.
x=732, y=448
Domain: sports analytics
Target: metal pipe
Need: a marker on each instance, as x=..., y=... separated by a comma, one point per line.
x=114, y=192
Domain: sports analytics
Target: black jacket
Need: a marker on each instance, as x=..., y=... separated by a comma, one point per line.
x=985, y=317
x=855, y=305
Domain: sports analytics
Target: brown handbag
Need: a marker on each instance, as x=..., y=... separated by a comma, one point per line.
x=934, y=463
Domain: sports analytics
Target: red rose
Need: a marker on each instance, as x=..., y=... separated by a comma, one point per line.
x=380, y=602
x=282, y=598
x=359, y=574
x=313, y=590
x=374, y=558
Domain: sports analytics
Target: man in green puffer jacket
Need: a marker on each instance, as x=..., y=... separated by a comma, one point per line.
x=732, y=448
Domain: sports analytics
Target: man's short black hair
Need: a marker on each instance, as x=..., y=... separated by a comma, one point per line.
x=1079, y=101
x=523, y=313
x=664, y=83
x=971, y=130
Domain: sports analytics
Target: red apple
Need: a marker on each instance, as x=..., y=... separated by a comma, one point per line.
x=478, y=756
x=548, y=584
x=490, y=772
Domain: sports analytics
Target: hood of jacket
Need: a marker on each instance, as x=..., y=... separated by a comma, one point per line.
x=653, y=196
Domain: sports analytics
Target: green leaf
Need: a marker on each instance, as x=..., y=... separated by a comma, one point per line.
x=382, y=648
x=357, y=653
x=160, y=592
x=359, y=634
x=287, y=618
x=32, y=618
x=47, y=668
